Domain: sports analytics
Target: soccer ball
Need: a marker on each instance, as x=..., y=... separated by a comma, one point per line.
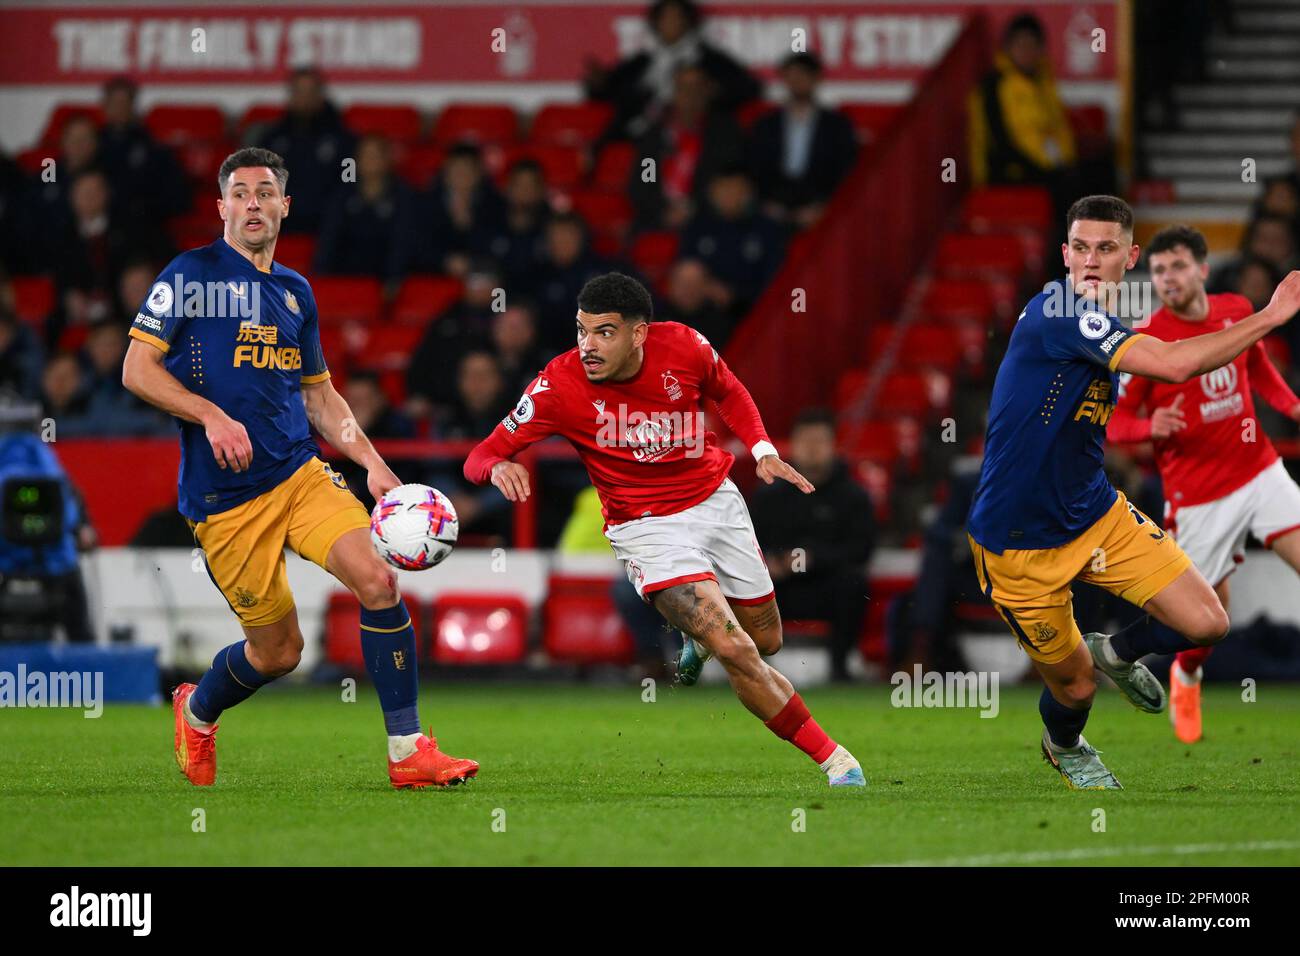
x=414, y=527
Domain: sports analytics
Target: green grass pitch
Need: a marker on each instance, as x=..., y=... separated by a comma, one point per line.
x=593, y=775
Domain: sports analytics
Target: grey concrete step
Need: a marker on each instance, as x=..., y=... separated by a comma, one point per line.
x=1227, y=168
x=1216, y=190
x=1257, y=145
x=1238, y=95
x=1255, y=68
x=1249, y=120
x=1272, y=19
x=1226, y=45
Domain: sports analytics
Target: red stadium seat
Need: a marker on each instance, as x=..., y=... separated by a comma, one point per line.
x=607, y=213
x=870, y=120
x=938, y=346
x=422, y=298
x=261, y=114
x=752, y=112
x=201, y=160
x=883, y=442
x=341, y=299
x=653, y=253
x=399, y=123
x=582, y=626
x=31, y=161
x=33, y=298
x=49, y=140
x=477, y=123
x=914, y=394
x=343, y=628
x=420, y=163
x=479, y=629
x=174, y=125
x=1091, y=126
x=958, y=301
x=849, y=388
x=1008, y=209
x=970, y=255
x=613, y=166
x=385, y=346
x=562, y=166
x=569, y=124
x=296, y=251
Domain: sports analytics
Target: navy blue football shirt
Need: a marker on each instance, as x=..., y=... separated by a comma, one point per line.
x=1042, y=483
x=246, y=340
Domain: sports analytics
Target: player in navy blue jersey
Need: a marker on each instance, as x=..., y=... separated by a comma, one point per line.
x=1044, y=513
x=228, y=342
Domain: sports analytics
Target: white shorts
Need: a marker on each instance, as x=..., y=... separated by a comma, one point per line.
x=1214, y=533
x=711, y=541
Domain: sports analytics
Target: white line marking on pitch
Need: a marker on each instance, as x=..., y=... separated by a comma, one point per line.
x=1091, y=853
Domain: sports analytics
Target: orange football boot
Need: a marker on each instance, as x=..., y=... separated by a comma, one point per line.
x=1185, y=705
x=196, y=753
x=429, y=766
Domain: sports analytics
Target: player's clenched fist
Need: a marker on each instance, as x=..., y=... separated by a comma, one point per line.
x=512, y=478
x=229, y=441
x=1286, y=297
x=1168, y=419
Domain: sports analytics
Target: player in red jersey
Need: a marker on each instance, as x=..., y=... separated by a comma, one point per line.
x=1222, y=478
x=628, y=400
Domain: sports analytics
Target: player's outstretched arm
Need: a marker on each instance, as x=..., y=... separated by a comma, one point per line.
x=329, y=413
x=144, y=375
x=1180, y=361
x=771, y=467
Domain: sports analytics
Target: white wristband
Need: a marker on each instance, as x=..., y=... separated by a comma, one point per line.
x=761, y=449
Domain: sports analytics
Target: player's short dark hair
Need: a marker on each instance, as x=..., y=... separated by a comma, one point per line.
x=1024, y=23
x=812, y=417
x=1101, y=208
x=1167, y=240
x=808, y=61
x=252, y=156
x=616, y=292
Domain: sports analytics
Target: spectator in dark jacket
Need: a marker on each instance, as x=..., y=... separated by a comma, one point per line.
x=313, y=142
x=520, y=244
x=1268, y=238
x=20, y=357
x=51, y=204
x=371, y=409
x=693, y=299
x=465, y=212
x=369, y=226
x=817, y=546
x=148, y=182
x=431, y=375
x=640, y=87
x=481, y=398
x=741, y=246
x=569, y=263
x=801, y=152
x=689, y=144
x=22, y=233
x=514, y=343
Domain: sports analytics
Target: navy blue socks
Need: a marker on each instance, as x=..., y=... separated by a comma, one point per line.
x=1063, y=724
x=1146, y=636
x=388, y=644
x=229, y=681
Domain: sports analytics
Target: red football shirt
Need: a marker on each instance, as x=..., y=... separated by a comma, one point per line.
x=642, y=440
x=1211, y=457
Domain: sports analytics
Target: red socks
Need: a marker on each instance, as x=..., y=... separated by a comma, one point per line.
x=796, y=725
x=1190, y=660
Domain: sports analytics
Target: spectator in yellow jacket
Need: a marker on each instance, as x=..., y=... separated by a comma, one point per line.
x=1019, y=129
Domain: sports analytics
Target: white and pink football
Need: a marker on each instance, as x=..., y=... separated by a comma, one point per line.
x=414, y=527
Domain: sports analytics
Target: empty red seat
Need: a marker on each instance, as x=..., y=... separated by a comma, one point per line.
x=201, y=159
x=915, y=394
x=341, y=299
x=850, y=387
x=569, y=124
x=49, y=141
x=386, y=346
x=884, y=442
x=260, y=114
x=33, y=298
x=183, y=124
x=400, y=123
x=1091, y=127
x=613, y=166
x=751, y=112
x=476, y=123
x=343, y=629
x=585, y=628
x=296, y=250
x=1007, y=208
x=932, y=346
x=654, y=252
x=605, y=212
x=423, y=298
x=957, y=301
x=870, y=119
x=972, y=255
x=479, y=628
x=419, y=163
